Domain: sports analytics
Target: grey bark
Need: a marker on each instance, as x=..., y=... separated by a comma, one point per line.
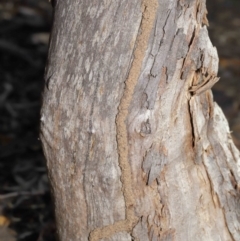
x=136, y=148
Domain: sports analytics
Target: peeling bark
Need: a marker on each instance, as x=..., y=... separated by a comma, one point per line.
x=136, y=148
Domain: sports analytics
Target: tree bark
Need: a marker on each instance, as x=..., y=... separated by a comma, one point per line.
x=136, y=148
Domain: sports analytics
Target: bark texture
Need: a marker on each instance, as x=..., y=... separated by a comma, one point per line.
x=136, y=148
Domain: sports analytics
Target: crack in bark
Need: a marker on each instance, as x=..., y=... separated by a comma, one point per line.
x=149, y=9
x=191, y=123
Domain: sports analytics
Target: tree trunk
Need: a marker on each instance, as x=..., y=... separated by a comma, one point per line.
x=136, y=148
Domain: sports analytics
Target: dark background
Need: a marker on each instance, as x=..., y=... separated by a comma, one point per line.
x=26, y=212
